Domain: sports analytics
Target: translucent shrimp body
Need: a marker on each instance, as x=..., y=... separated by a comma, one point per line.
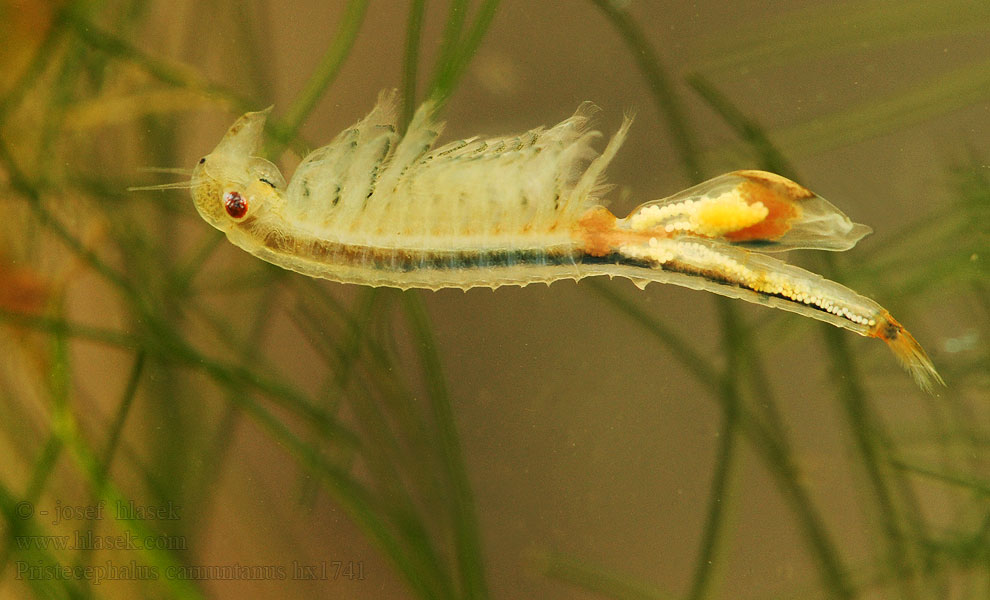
x=377, y=208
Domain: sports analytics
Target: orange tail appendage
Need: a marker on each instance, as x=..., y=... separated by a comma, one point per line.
x=909, y=352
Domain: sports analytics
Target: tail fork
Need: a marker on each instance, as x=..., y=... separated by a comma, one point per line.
x=908, y=352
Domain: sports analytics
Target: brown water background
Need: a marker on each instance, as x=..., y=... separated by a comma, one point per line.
x=590, y=448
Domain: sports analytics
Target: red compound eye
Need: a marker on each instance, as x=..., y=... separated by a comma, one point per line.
x=235, y=204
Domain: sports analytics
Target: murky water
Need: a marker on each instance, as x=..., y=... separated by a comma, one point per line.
x=273, y=436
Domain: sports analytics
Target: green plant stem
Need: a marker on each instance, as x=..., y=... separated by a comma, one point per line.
x=668, y=103
x=173, y=75
x=847, y=375
x=333, y=59
x=391, y=464
x=383, y=460
x=259, y=49
x=123, y=410
x=344, y=358
x=223, y=435
x=595, y=580
x=162, y=335
x=774, y=451
x=455, y=54
x=42, y=470
x=52, y=325
x=746, y=128
x=864, y=428
x=21, y=184
x=473, y=39
x=833, y=572
x=410, y=61
x=64, y=426
x=973, y=484
x=17, y=526
x=110, y=449
x=689, y=358
x=184, y=274
x=466, y=537
x=720, y=499
x=34, y=70
x=449, y=39
x=851, y=391
x=221, y=372
x=356, y=500
x=772, y=445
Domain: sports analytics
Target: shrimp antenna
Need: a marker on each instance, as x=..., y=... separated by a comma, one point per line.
x=178, y=185
x=168, y=170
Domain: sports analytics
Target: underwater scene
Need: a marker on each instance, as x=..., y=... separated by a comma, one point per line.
x=473, y=299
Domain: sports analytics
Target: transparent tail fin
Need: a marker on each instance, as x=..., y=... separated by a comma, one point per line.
x=909, y=353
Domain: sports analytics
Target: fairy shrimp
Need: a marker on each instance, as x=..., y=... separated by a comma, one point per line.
x=377, y=208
